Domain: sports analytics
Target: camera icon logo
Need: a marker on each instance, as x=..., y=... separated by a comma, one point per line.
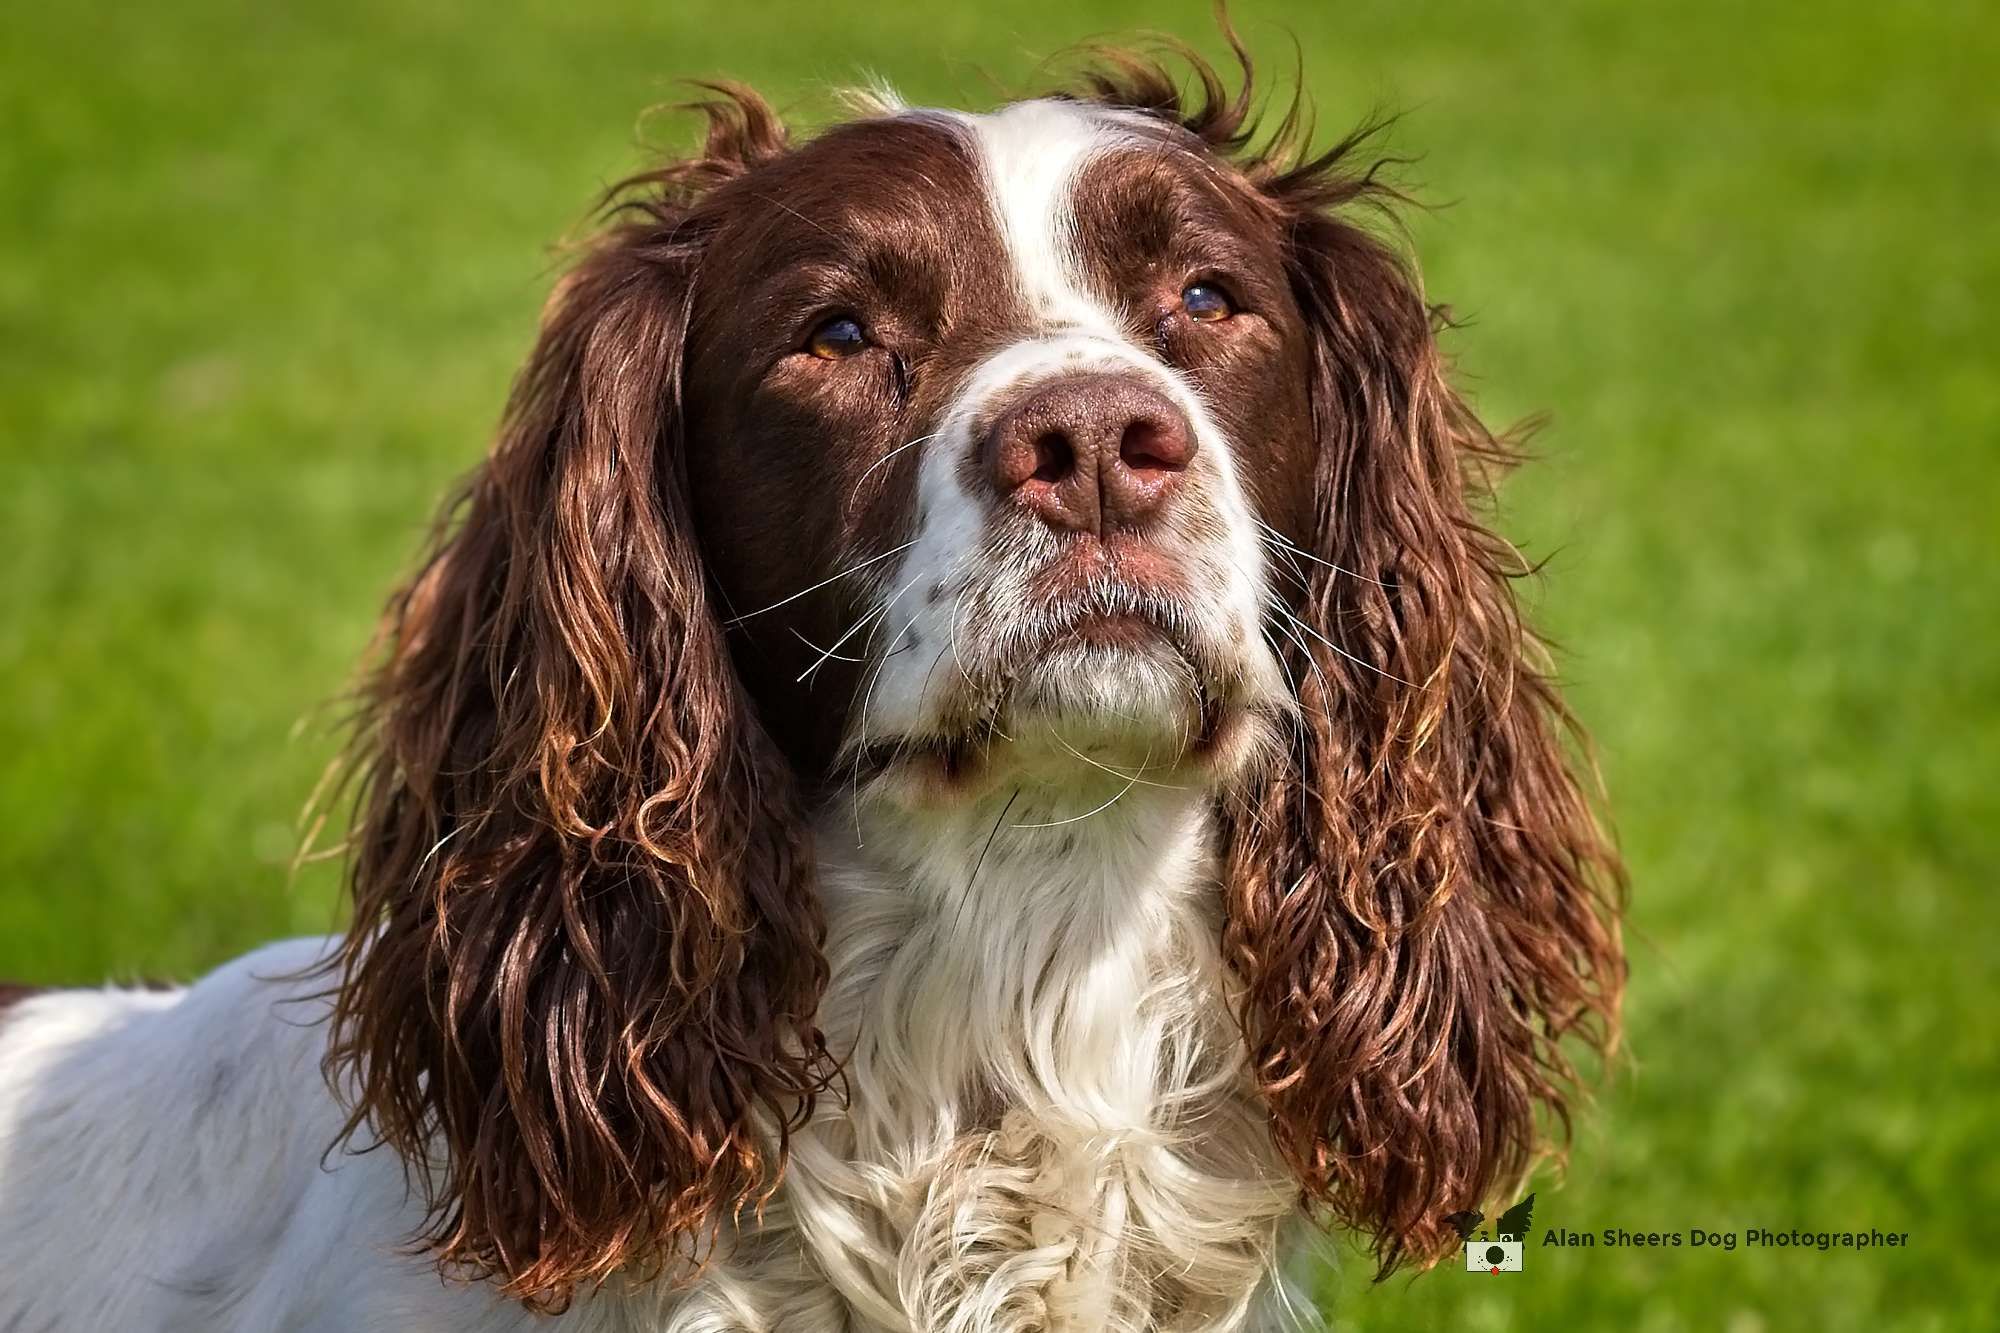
x=1493, y=1256
x=1500, y=1252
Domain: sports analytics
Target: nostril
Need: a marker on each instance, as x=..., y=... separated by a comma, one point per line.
x=1055, y=459
x=1147, y=446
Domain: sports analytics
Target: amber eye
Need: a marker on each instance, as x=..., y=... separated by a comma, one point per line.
x=1206, y=303
x=836, y=338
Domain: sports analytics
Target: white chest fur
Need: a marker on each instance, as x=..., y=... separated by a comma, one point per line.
x=1046, y=1123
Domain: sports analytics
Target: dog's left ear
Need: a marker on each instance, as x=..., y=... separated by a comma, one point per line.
x=1421, y=902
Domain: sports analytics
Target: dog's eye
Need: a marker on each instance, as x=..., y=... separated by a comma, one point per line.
x=1206, y=303
x=837, y=338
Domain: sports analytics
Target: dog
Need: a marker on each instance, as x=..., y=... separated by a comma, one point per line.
x=967, y=762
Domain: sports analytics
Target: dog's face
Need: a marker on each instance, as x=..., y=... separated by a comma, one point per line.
x=940, y=448
x=988, y=420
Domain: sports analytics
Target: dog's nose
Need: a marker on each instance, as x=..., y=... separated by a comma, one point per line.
x=1091, y=453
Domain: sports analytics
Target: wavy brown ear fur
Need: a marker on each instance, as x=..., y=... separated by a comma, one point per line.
x=587, y=948
x=1421, y=903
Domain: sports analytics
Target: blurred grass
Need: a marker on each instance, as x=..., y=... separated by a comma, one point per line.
x=265, y=271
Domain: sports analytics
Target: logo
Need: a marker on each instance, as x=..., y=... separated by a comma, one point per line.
x=1493, y=1256
x=1500, y=1252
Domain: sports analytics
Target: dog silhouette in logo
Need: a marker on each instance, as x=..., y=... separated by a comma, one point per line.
x=1502, y=1251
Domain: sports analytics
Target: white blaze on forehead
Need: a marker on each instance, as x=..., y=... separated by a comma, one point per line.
x=1032, y=154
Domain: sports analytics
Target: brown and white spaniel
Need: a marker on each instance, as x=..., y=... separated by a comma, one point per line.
x=966, y=763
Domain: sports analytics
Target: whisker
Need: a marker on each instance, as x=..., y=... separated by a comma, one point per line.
x=1273, y=602
x=825, y=653
x=930, y=671
x=1077, y=819
x=851, y=569
x=1344, y=653
x=1287, y=619
x=958, y=658
x=862, y=480
x=1164, y=786
x=1305, y=651
x=829, y=654
x=1285, y=622
x=875, y=677
x=1279, y=539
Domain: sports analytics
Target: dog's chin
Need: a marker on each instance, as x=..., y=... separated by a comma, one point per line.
x=1115, y=703
x=1130, y=700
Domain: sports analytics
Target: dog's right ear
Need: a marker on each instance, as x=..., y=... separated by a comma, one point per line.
x=580, y=990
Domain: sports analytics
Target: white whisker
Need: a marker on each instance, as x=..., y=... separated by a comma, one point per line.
x=1056, y=736
x=828, y=653
x=1118, y=796
x=911, y=444
x=851, y=569
x=1366, y=665
x=1279, y=539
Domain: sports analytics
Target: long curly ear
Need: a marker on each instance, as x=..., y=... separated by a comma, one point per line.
x=580, y=989
x=1421, y=902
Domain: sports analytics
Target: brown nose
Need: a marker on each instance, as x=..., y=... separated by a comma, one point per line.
x=1091, y=453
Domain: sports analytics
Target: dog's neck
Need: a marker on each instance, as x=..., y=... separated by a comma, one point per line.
x=1050, y=945
x=1084, y=854
x=1045, y=1090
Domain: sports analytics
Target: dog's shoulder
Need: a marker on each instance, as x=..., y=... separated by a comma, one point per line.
x=175, y=1128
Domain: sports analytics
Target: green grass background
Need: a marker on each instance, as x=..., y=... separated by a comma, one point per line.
x=265, y=270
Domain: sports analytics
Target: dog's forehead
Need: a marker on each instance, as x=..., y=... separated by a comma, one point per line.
x=1032, y=156
x=1082, y=195
x=981, y=196
x=1026, y=156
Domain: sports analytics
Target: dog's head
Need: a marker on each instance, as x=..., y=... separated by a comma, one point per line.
x=937, y=451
